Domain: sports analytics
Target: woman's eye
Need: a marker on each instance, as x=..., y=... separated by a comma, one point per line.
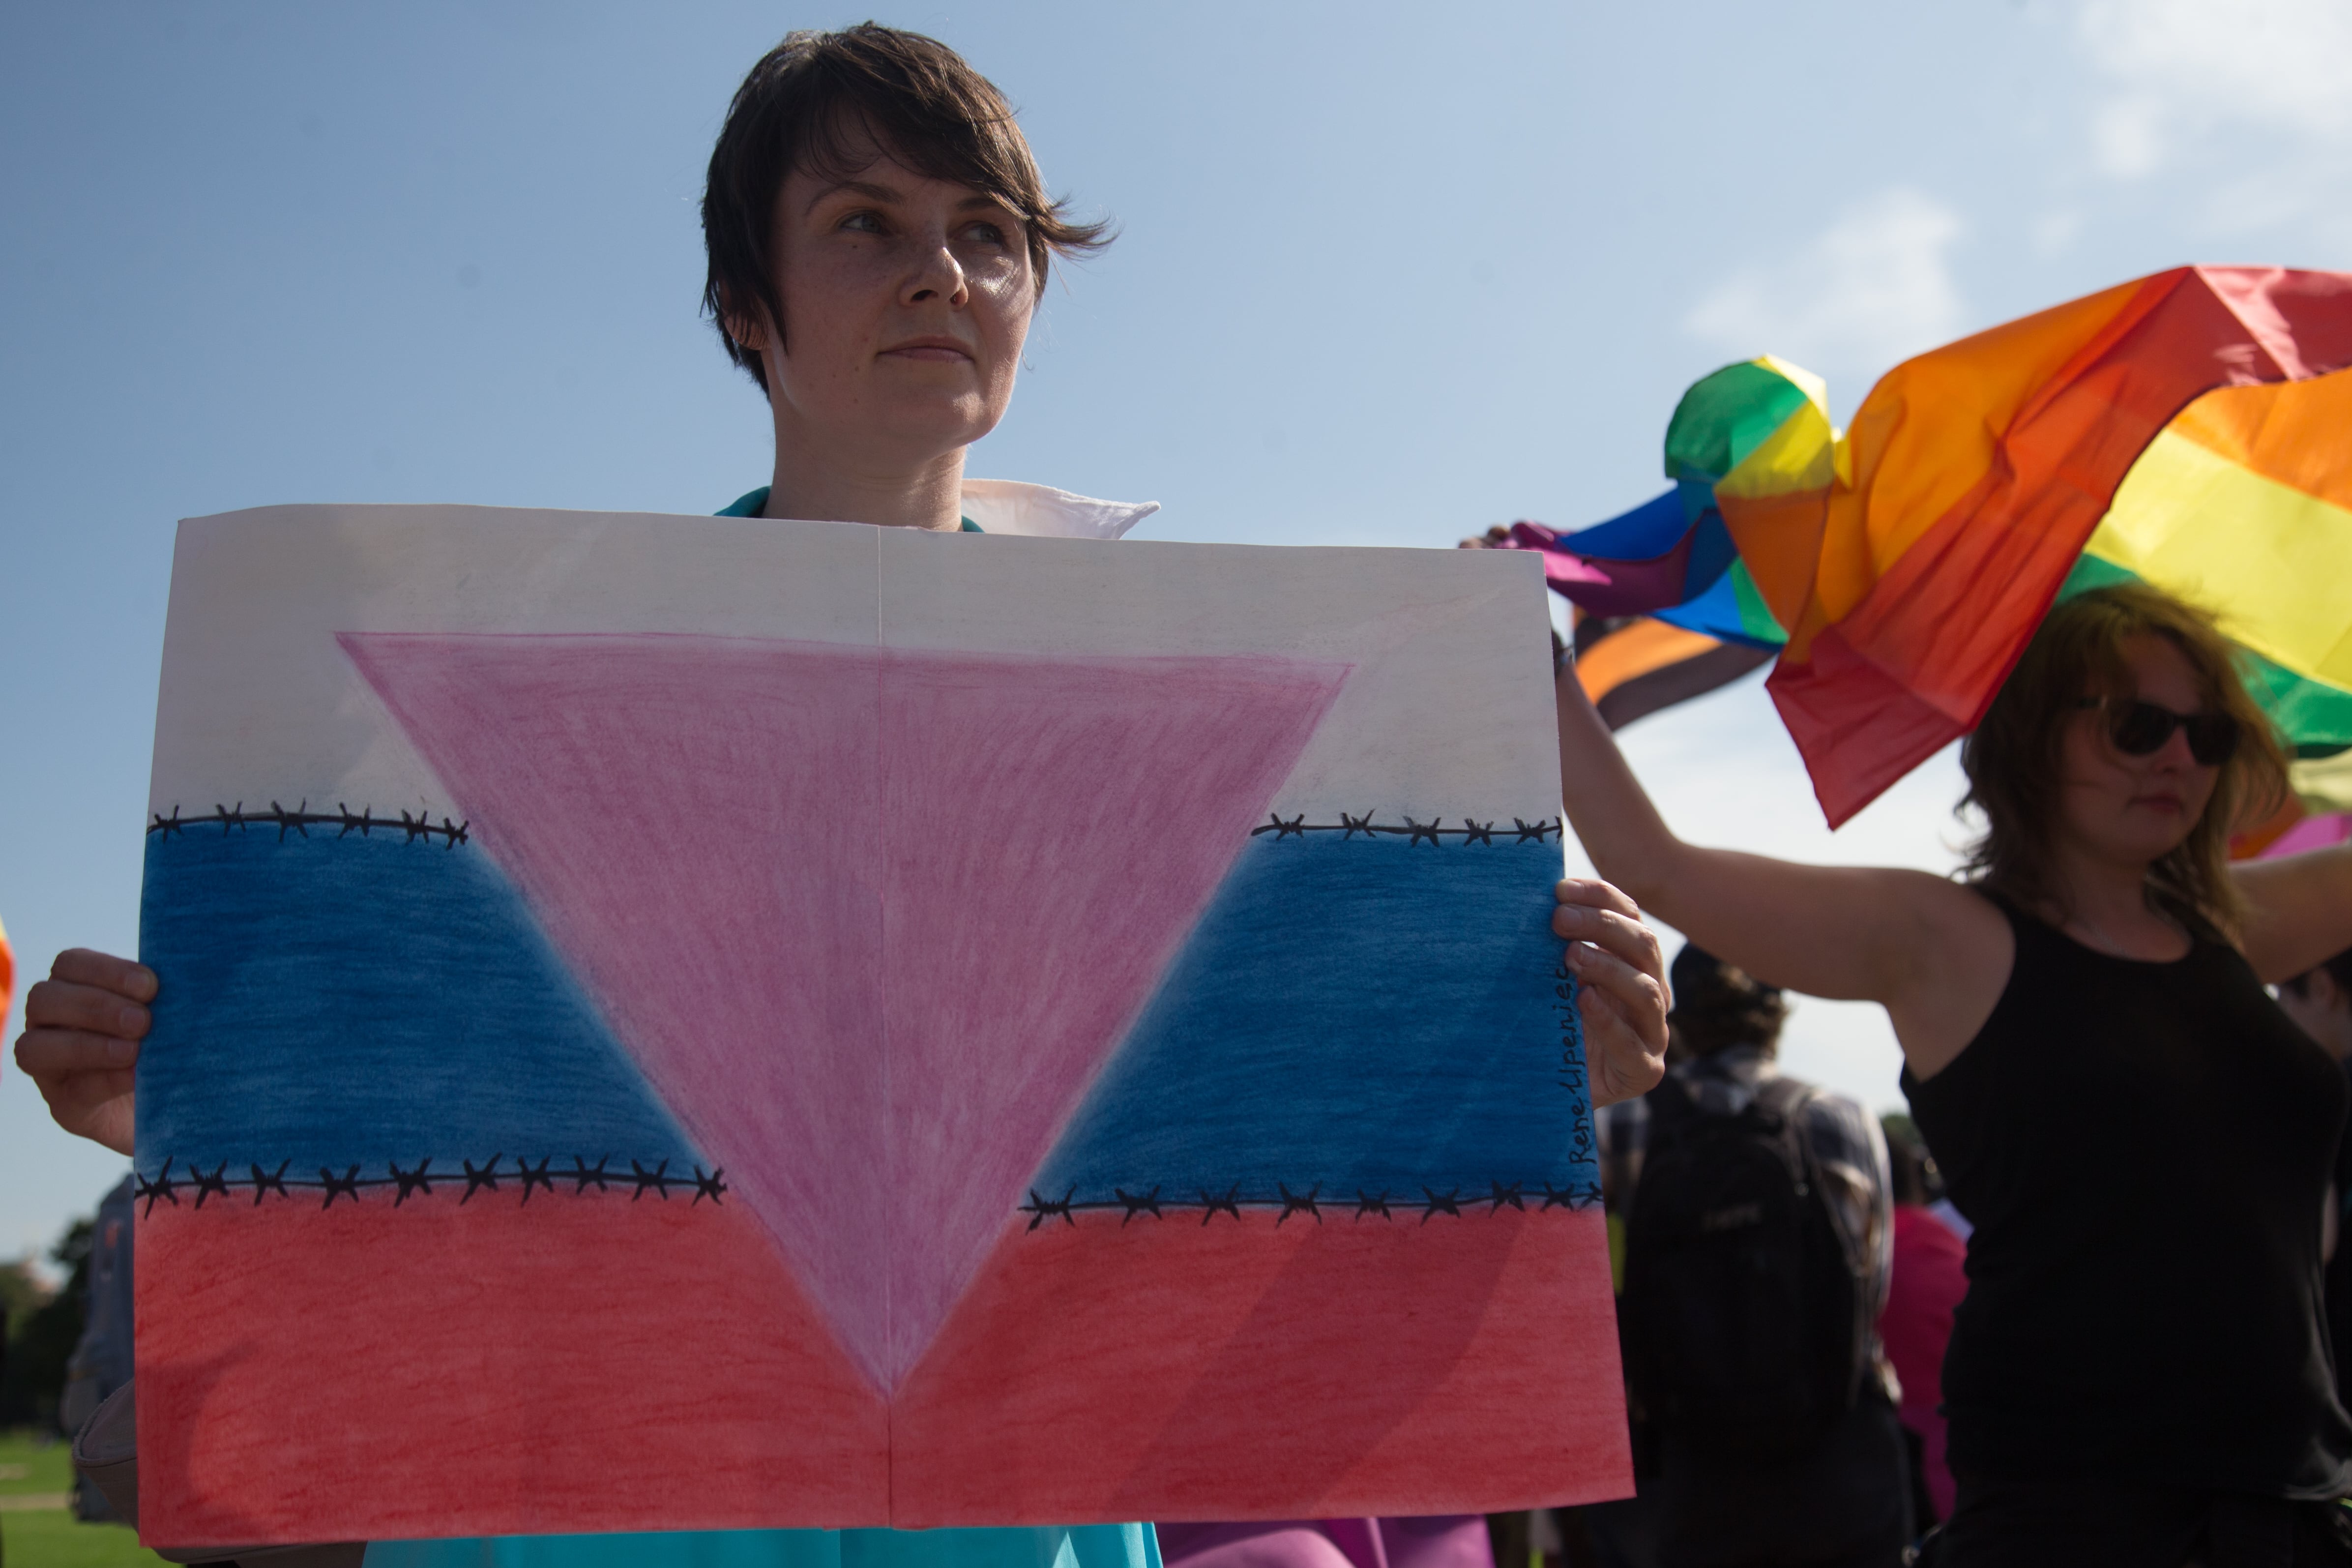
x=863, y=222
x=987, y=233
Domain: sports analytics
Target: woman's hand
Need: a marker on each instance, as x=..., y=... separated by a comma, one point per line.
x=1621, y=989
x=83, y=1029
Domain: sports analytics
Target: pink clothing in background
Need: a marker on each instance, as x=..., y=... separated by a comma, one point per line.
x=1928, y=1280
x=2311, y=833
x=1447, y=1541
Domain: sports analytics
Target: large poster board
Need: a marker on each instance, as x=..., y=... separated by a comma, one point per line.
x=698, y=1022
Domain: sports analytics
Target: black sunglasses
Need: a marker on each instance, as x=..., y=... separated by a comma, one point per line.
x=2140, y=729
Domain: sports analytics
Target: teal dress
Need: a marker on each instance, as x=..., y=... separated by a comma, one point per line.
x=749, y=503
x=1018, y=1546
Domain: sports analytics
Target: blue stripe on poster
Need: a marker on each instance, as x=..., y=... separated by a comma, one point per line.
x=1336, y=991
x=334, y=1001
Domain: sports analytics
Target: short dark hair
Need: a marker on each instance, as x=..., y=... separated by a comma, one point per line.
x=2339, y=970
x=814, y=103
x=1719, y=1004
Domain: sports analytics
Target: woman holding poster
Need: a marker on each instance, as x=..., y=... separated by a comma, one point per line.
x=879, y=237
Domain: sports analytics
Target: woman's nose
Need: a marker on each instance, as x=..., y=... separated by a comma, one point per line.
x=2175, y=751
x=939, y=275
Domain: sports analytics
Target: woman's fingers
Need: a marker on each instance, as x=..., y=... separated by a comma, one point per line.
x=1623, y=998
x=89, y=1002
x=1616, y=1058
x=1639, y=996
x=47, y=1055
x=1623, y=1022
x=1599, y=913
x=83, y=1029
x=89, y=1009
x=1629, y=940
x=1594, y=891
x=123, y=976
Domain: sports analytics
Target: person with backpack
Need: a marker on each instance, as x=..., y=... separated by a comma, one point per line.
x=1758, y=1240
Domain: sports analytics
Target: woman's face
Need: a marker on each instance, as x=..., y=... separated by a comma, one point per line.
x=905, y=302
x=2129, y=809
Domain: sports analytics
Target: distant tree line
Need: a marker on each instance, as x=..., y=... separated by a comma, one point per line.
x=44, y=1325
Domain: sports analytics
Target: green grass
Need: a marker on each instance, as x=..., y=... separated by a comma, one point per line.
x=53, y=1538
x=48, y=1466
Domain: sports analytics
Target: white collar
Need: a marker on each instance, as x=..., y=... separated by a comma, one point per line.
x=1008, y=506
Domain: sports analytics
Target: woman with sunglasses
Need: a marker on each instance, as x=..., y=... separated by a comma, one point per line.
x=2141, y=1138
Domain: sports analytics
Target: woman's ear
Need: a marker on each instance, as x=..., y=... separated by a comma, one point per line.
x=748, y=329
x=750, y=332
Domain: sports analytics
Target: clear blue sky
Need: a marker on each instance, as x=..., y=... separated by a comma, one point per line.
x=1389, y=274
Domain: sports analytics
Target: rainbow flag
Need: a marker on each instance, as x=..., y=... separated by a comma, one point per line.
x=2187, y=429
x=2244, y=503
x=1667, y=611
x=1633, y=666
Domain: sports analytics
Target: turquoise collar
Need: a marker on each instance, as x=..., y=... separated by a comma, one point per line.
x=749, y=505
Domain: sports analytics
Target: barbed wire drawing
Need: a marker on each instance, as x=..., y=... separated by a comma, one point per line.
x=525, y=1178
x=1311, y=1203
x=301, y=819
x=1432, y=832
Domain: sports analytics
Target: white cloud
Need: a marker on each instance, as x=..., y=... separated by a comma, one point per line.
x=2182, y=73
x=2126, y=140
x=1872, y=288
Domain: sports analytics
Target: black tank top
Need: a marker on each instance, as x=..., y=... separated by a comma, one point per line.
x=2144, y=1150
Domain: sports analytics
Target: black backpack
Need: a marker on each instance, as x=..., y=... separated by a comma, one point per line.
x=1744, y=1308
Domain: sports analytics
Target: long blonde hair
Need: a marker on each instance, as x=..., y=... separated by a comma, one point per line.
x=2013, y=761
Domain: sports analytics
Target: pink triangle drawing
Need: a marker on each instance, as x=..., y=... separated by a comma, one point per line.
x=869, y=920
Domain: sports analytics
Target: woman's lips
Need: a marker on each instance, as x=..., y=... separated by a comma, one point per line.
x=936, y=351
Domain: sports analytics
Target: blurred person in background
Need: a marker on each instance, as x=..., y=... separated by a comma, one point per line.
x=2129, y=1381
x=1622, y=1533
x=2320, y=999
x=1929, y=1277
x=101, y=1358
x=1757, y=1241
